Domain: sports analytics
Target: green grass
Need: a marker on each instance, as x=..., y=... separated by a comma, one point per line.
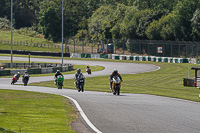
x=168, y=81
x=29, y=48
x=25, y=112
x=6, y=35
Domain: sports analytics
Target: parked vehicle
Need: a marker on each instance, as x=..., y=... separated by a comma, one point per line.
x=116, y=85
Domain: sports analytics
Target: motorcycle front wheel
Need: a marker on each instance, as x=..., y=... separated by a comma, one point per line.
x=81, y=87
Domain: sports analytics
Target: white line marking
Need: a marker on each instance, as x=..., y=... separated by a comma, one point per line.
x=83, y=114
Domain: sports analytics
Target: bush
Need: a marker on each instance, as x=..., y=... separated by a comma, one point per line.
x=4, y=23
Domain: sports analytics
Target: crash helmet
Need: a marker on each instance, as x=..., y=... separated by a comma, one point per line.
x=58, y=71
x=18, y=72
x=78, y=70
x=115, y=71
x=25, y=72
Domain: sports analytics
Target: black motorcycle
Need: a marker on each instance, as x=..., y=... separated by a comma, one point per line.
x=88, y=70
x=25, y=79
x=80, y=83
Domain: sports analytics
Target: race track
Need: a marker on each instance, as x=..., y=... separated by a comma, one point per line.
x=127, y=113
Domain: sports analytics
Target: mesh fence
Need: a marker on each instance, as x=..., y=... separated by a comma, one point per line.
x=125, y=46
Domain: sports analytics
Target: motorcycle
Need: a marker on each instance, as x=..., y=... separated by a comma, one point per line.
x=25, y=79
x=14, y=79
x=59, y=81
x=88, y=70
x=80, y=83
x=116, y=85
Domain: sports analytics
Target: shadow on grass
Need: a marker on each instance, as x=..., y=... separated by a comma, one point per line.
x=5, y=131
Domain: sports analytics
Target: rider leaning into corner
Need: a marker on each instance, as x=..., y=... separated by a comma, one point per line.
x=17, y=75
x=114, y=73
x=76, y=75
x=56, y=74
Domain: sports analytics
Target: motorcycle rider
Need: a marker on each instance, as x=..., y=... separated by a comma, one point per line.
x=15, y=78
x=88, y=70
x=87, y=67
x=114, y=73
x=25, y=74
x=78, y=73
x=56, y=74
x=17, y=75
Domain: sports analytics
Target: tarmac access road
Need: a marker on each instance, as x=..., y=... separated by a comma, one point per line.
x=127, y=113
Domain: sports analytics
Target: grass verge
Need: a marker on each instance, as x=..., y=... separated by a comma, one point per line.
x=168, y=81
x=24, y=112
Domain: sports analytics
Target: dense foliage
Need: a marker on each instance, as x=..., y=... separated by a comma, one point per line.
x=111, y=19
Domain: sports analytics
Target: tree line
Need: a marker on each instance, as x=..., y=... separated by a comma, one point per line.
x=108, y=19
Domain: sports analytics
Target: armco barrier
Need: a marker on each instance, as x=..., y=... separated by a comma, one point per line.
x=47, y=70
x=4, y=72
x=75, y=55
x=24, y=65
x=144, y=58
x=109, y=56
x=34, y=71
x=122, y=57
x=135, y=58
x=65, y=68
x=95, y=56
x=192, y=61
x=57, y=68
x=85, y=55
x=159, y=59
x=166, y=59
x=37, y=70
x=129, y=57
x=14, y=71
x=104, y=56
x=115, y=56
x=36, y=53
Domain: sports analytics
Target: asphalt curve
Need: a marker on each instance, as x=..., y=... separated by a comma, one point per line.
x=127, y=113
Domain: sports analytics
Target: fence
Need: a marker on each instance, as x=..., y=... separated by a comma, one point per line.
x=136, y=47
x=126, y=46
x=39, y=45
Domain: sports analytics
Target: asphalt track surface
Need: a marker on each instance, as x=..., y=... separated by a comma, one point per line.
x=127, y=113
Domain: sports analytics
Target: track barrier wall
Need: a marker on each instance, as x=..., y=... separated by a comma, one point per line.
x=44, y=70
x=135, y=58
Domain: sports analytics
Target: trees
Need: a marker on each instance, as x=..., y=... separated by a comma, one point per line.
x=51, y=23
x=116, y=19
x=196, y=24
x=101, y=22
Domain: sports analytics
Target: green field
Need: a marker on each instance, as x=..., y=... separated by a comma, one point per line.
x=6, y=36
x=22, y=111
x=25, y=112
x=168, y=81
